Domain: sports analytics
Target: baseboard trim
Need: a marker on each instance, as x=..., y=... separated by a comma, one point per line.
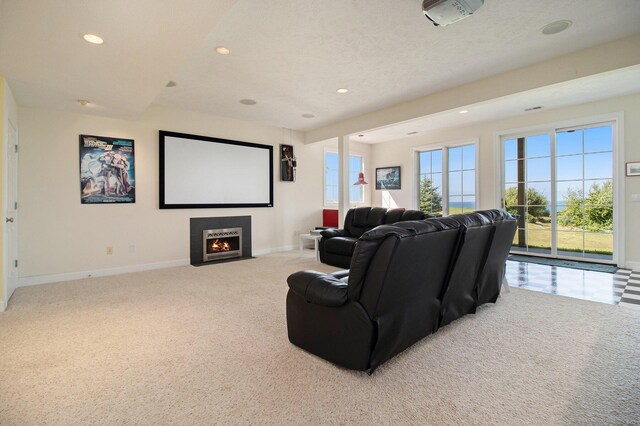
x=70, y=276
x=54, y=278
x=262, y=252
x=632, y=265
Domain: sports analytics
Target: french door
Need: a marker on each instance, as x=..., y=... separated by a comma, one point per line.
x=560, y=184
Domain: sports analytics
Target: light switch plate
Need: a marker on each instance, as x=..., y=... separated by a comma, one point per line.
x=635, y=198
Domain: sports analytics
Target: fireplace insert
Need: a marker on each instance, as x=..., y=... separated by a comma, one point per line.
x=221, y=244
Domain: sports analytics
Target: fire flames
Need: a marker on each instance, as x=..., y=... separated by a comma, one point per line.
x=218, y=245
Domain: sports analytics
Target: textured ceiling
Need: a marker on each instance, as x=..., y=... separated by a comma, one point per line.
x=288, y=55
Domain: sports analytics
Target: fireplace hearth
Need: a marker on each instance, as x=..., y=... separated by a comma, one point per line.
x=219, y=239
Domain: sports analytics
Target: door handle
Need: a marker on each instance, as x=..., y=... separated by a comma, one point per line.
x=9, y=219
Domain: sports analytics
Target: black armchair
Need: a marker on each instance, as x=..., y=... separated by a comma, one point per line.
x=337, y=245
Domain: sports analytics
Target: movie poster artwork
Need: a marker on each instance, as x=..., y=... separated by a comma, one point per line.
x=107, y=171
x=287, y=164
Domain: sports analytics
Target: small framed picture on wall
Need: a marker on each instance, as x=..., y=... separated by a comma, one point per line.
x=388, y=177
x=633, y=168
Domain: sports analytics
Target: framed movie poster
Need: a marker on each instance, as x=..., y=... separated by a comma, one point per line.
x=388, y=177
x=107, y=171
x=287, y=164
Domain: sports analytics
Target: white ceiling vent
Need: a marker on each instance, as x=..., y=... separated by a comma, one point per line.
x=445, y=12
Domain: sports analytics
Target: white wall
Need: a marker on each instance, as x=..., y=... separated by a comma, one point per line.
x=400, y=152
x=61, y=239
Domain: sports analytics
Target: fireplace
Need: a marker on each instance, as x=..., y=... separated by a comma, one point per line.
x=219, y=239
x=221, y=244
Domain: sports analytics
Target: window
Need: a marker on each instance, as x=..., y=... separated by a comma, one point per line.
x=560, y=184
x=430, y=178
x=447, y=180
x=332, y=164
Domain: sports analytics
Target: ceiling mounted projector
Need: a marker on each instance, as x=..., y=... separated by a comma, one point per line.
x=445, y=12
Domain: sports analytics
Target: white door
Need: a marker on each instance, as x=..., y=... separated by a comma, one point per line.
x=11, y=215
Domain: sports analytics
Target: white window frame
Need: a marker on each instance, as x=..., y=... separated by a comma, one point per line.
x=324, y=177
x=445, y=170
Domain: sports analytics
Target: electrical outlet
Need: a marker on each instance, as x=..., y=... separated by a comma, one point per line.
x=132, y=248
x=109, y=250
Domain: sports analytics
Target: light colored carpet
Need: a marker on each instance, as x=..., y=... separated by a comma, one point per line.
x=208, y=345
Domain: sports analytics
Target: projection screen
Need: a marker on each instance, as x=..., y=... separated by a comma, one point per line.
x=206, y=172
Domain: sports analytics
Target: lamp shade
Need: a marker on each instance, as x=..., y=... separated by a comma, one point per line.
x=360, y=180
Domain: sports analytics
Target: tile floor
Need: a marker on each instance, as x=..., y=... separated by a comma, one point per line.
x=622, y=288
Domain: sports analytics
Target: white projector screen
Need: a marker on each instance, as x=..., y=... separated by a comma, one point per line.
x=205, y=172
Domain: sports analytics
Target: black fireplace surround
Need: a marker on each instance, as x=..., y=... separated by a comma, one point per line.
x=405, y=282
x=199, y=224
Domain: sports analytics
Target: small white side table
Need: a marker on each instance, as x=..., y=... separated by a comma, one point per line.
x=316, y=240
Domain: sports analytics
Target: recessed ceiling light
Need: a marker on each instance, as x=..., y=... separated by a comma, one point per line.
x=171, y=83
x=412, y=133
x=533, y=108
x=223, y=50
x=248, y=102
x=83, y=102
x=342, y=90
x=92, y=38
x=308, y=115
x=555, y=27
x=464, y=111
x=361, y=136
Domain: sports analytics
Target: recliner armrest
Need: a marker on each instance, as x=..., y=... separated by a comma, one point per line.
x=330, y=233
x=319, y=288
x=341, y=274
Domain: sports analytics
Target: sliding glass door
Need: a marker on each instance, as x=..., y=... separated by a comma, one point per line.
x=560, y=184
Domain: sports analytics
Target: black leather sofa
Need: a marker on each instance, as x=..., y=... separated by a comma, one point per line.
x=405, y=282
x=336, y=245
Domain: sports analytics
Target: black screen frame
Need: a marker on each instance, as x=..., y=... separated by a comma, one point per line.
x=162, y=163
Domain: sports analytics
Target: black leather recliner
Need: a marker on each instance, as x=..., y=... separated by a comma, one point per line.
x=406, y=280
x=336, y=245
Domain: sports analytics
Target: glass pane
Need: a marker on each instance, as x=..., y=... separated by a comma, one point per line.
x=436, y=161
x=598, y=166
x=455, y=158
x=598, y=217
x=539, y=193
x=425, y=162
x=538, y=146
x=469, y=182
x=436, y=178
x=598, y=245
x=570, y=218
x=430, y=197
x=539, y=169
x=538, y=240
x=455, y=205
x=510, y=149
x=598, y=139
x=568, y=143
x=570, y=243
x=569, y=167
x=511, y=171
x=516, y=195
x=469, y=157
x=569, y=190
x=455, y=183
x=469, y=204
x=599, y=192
x=520, y=237
x=331, y=160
